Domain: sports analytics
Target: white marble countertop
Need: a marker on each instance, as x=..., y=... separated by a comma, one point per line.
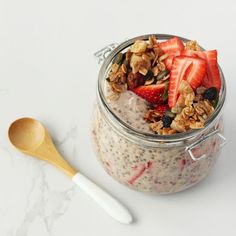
x=47, y=71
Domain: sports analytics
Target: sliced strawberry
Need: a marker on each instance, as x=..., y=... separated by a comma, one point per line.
x=151, y=93
x=213, y=74
x=177, y=72
x=189, y=68
x=173, y=47
x=161, y=108
x=191, y=53
x=212, y=78
x=196, y=72
x=169, y=61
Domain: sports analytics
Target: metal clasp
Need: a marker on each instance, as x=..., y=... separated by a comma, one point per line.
x=203, y=139
x=104, y=52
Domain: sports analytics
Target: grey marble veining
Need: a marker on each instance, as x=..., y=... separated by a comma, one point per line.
x=42, y=200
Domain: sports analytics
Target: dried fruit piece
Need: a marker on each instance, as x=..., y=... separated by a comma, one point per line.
x=135, y=80
x=211, y=94
x=166, y=121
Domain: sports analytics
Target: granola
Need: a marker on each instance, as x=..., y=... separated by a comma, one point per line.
x=140, y=65
x=172, y=77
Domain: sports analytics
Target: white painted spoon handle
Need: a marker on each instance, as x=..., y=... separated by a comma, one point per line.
x=114, y=208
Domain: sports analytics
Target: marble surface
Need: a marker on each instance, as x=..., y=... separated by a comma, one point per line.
x=47, y=71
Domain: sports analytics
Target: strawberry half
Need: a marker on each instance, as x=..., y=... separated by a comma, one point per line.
x=151, y=93
x=189, y=68
x=173, y=47
x=212, y=78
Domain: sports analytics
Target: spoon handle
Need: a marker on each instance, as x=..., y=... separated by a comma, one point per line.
x=112, y=206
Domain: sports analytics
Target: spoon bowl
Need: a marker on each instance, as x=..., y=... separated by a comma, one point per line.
x=26, y=134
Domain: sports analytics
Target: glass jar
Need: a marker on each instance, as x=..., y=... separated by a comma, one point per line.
x=149, y=162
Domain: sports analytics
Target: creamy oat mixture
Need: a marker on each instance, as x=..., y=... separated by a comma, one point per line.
x=161, y=170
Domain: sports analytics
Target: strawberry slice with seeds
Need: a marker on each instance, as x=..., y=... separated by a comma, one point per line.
x=173, y=47
x=151, y=93
x=189, y=68
x=213, y=74
x=179, y=66
x=195, y=72
x=169, y=61
x=212, y=78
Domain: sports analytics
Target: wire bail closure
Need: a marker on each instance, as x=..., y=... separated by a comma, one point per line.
x=104, y=52
x=203, y=139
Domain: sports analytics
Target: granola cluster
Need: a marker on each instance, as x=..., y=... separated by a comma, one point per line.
x=190, y=112
x=192, y=45
x=142, y=64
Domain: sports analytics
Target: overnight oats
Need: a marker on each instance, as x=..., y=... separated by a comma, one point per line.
x=157, y=124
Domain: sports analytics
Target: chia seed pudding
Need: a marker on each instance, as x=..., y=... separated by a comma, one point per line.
x=161, y=160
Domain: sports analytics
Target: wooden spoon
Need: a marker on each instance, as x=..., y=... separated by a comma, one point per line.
x=30, y=137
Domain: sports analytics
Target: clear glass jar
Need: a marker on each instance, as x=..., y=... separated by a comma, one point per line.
x=149, y=162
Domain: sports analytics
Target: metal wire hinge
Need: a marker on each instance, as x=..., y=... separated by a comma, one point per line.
x=203, y=139
x=104, y=52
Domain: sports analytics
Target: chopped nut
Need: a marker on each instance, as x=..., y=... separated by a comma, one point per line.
x=189, y=99
x=197, y=98
x=163, y=57
x=185, y=87
x=151, y=55
x=192, y=45
x=128, y=55
x=155, y=71
x=135, y=63
x=178, y=126
x=189, y=111
x=149, y=81
x=199, y=108
x=156, y=126
x=152, y=116
x=196, y=124
x=200, y=90
x=139, y=46
x=200, y=118
x=209, y=108
x=117, y=88
x=115, y=67
x=157, y=50
x=124, y=68
x=168, y=131
x=143, y=70
x=161, y=66
x=152, y=41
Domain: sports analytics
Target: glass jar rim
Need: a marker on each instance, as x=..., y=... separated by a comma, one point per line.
x=136, y=135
